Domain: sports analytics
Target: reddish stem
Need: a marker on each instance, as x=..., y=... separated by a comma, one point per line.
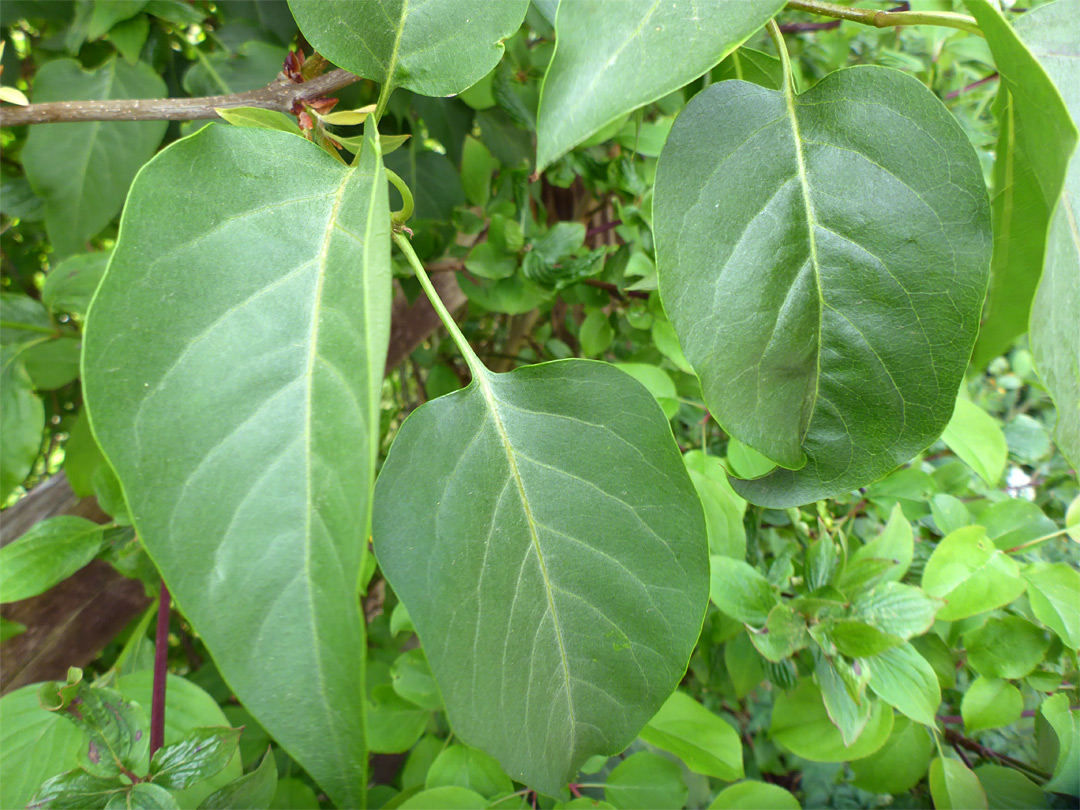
x=161, y=671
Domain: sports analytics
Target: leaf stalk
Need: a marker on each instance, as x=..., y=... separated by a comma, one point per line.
x=887, y=19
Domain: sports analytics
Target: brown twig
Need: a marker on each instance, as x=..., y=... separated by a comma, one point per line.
x=956, y=93
x=613, y=290
x=955, y=738
x=281, y=95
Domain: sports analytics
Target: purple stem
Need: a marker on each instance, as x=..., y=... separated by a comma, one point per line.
x=607, y=226
x=161, y=671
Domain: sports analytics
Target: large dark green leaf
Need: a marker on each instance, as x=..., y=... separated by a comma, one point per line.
x=610, y=60
x=1036, y=139
x=543, y=532
x=825, y=282
x=232, y=368
x=1055, y=316
x=82, y=171
x=432, y=47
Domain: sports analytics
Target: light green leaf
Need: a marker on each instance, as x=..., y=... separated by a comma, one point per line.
x=412, y=679
x=53, y=363
x=71, y=284
x=49, y=552
x=662, y=387
x=748, y=65
x=801, y=725
x=976, y=437
x=646, y=781
x=445, y=798
x=819, y=380
x=903, y=678
x=1036, y=140
x=724, y=509
x=954, y=787
x=704, y=741
x=970, y=574
x=751, y=795
x=468, y=768
x=896, y=542
x=82, y=170
x=258, y=117
x=201, y=754
x=1006, y=647
x=1014, y=521
x=991, y=703
x=109, y=12
x=596, y=333
x=847, y=714
x=743, y=664
x=783, y=635
x=857, y=639
x=1072, y=519
x=393, y=723
x=1054, y=594
x=740, y=591
x=436, y=48
x=22, y=420
x=10, y=629
x=1008, y=789
x=1058, y=731
x=607, y=65
x=1047, y=32
x=900, y=764
x=551, y=508
x=897, y=609
x=262, y=401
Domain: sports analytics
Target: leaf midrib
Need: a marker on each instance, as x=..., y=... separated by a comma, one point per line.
x=511, y=458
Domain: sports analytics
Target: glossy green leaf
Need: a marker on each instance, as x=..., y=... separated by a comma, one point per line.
x=262, y=401
x=75, y=790
x=801, y=725
x=903, y=678
x=201, y=754
x=1008, y=789
x=258, y=117
x=550, y=505
x=976, y=437
x=724, y=509
x=1006, y=647
x=748, y=65
x=49, y=552
x=1047, y=32
x=991, y=703
x=116, y=729
x=817, y=243
x=1054, y=594
x=468, y=768
x=1014, y=521
x=646, y=781
x=607, y=65
x=740, y=591
x=743, y=664
x=707, y=743
x=435, y=48
x=751, y=795
x=954, y=787
x=71, y=284
x=82, y=170
x=898, y=765
x=970, y=574
x=1036, y=140
x=22, y=419
x=857, y=639
x=143, y=796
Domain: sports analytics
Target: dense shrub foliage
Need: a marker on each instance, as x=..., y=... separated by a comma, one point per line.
x=552, y=404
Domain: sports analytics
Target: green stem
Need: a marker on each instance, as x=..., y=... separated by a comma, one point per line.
x=781, y=51
x=384, y=99
x=27, y=327
x=887, y=19
x=402, y=216
x=475, y=366
x=1038, y=540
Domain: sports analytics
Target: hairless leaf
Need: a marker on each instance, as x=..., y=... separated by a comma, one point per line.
x=1037, y=138
x=82, y=170
x=610, y=60
x=232, y=369
x=1048, y=32
x=49, y=552
x=825, y=282
x=954, y=787
x=432, y=47
x=543, y=532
